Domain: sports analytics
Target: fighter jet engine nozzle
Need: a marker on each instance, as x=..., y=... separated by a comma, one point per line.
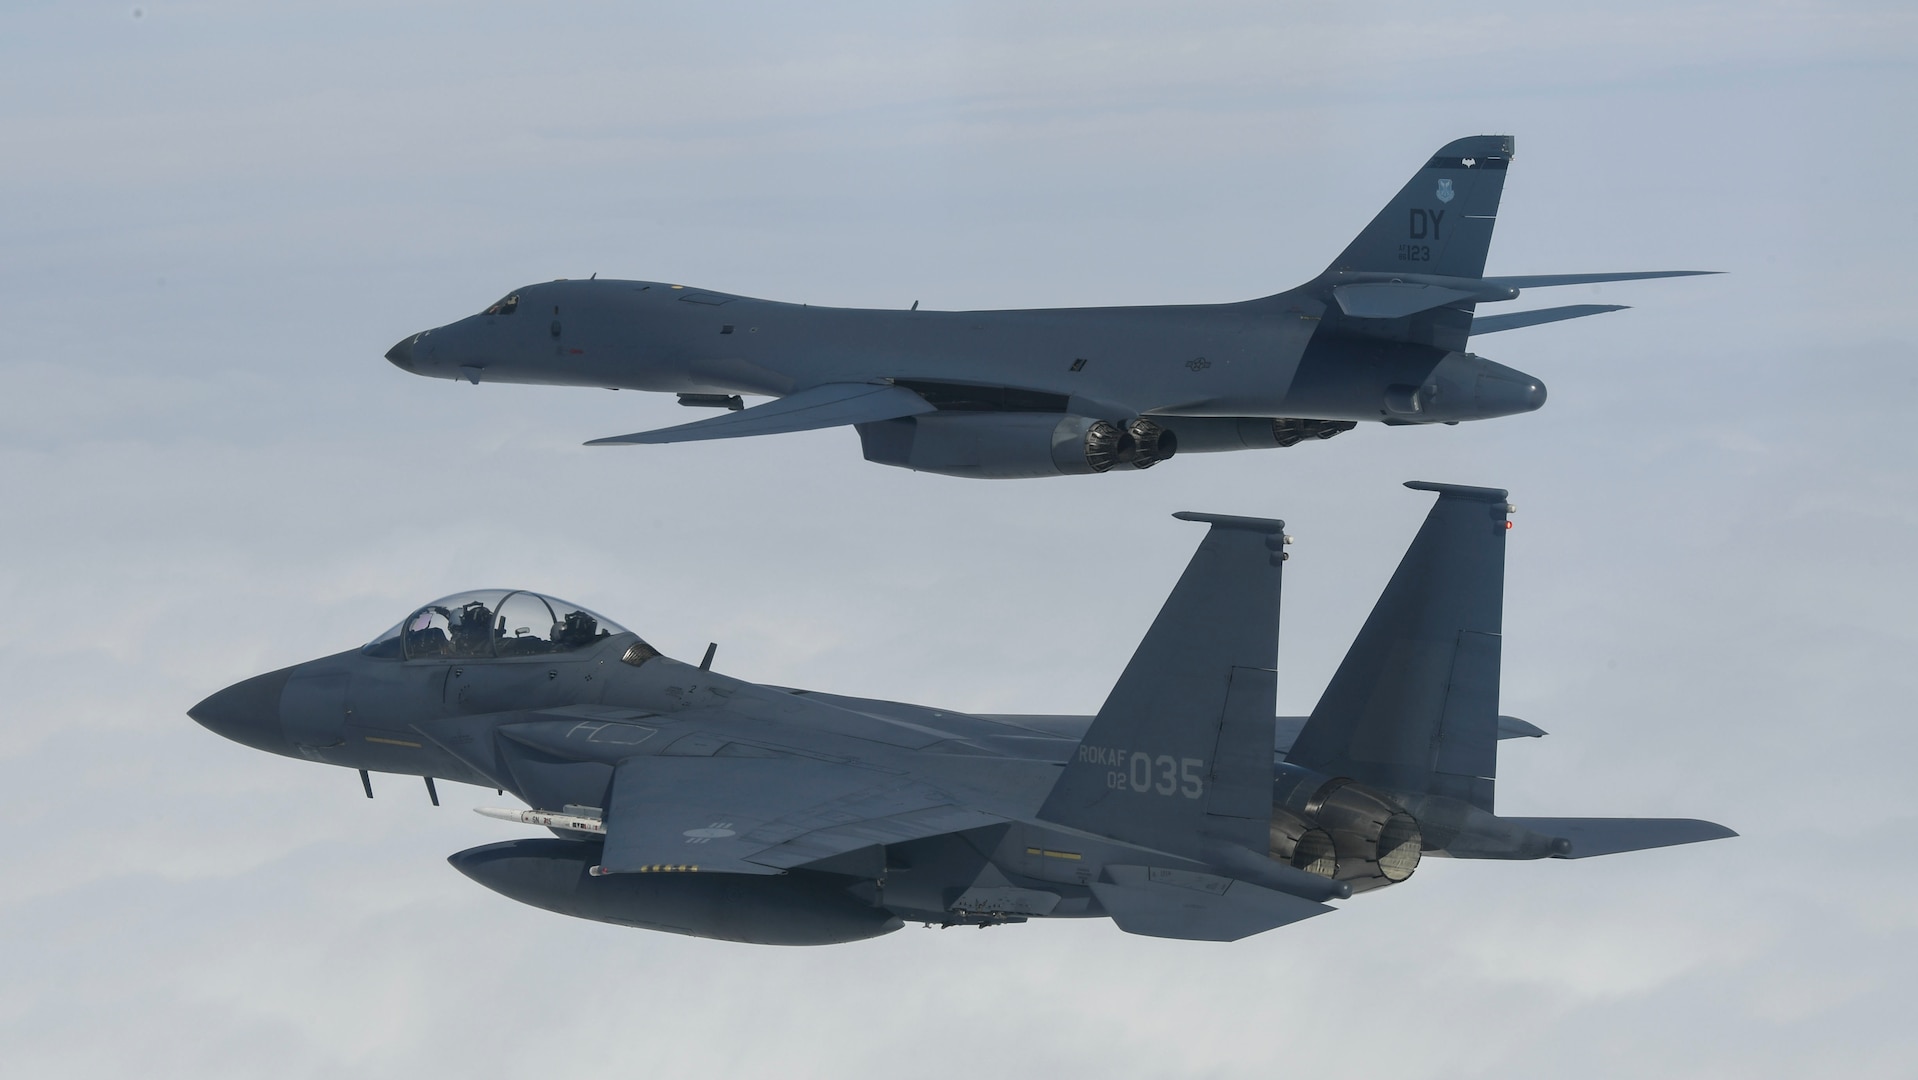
x=1304, y=846
x=1342, y=830
x=1002, y=445
x=796, y=908
x=1465, y=387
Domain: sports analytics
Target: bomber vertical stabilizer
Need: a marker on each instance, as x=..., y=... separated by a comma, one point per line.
x=1441, y=221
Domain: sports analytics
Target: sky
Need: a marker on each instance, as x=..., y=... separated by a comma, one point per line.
x=218, y=216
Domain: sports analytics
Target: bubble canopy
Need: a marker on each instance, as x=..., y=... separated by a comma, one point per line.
x=492, y=623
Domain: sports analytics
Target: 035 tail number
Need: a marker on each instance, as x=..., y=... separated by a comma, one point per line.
x=1145, y=773
x=1160, y=775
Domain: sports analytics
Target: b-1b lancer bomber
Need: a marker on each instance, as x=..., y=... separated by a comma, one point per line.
x=1381, y=335
x=684, y=800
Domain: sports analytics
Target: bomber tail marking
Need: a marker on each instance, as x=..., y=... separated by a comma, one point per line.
x=1441, y=221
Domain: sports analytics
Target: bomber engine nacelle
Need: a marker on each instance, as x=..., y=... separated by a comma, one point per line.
x=1341, y=829
x=1001, y=445
x=1004, y=445
x=797, y=908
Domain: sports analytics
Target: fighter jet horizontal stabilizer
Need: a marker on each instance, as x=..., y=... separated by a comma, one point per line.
x=1609, y=836
x=831, y=405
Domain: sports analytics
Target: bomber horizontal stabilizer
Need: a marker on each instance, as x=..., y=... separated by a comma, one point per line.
x=1492, y=324
x=831, y=405
x=1395, y=299
x=1543, y=281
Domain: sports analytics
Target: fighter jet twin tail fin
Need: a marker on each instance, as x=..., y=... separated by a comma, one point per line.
x=1179, y=758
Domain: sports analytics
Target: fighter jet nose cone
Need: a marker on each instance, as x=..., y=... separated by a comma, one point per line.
x=1534, y=396
x=401, y=355
x=247, y=712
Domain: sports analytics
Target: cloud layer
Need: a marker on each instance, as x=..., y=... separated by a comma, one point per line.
x=220, y=217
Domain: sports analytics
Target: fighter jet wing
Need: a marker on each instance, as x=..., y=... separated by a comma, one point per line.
x=831, y=405
x=763, y=815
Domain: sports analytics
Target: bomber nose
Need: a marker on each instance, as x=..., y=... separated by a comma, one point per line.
x=401, y=355
x=248, y=712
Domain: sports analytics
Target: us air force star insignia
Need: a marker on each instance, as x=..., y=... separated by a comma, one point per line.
x=1445, y=191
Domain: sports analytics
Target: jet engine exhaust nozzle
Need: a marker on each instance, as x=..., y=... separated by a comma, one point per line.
x=1343, y=830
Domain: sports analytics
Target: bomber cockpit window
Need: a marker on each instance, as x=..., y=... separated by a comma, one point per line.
x=494, y=623
x=504, y=307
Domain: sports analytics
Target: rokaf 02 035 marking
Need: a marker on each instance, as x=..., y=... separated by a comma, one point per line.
x=1144, y=773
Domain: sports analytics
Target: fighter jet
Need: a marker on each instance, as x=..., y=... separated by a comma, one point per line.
x=682, y=799
x=1380, y=335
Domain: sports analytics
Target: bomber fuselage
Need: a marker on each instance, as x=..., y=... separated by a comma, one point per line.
x=1257, y=358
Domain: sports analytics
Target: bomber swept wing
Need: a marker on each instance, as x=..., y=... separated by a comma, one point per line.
x=832, y=405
